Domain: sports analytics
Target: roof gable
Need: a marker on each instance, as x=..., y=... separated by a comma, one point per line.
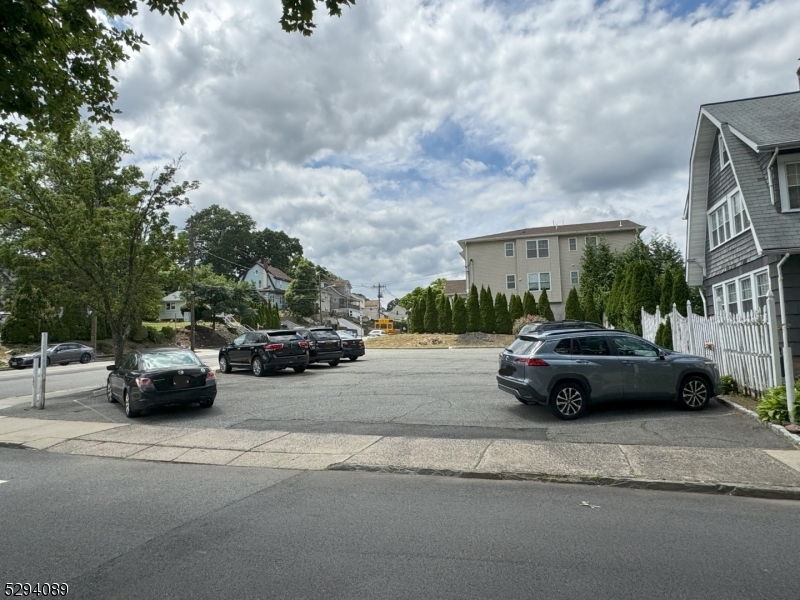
x=599, y=227
x=767, y=122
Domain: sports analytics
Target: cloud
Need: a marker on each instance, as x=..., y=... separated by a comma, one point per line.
x=404, y=126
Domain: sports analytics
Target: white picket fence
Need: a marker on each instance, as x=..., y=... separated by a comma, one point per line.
x=744, y=346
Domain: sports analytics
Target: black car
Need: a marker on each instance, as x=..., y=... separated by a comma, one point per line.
x=557, y=325
x=265, y=351
x=323, y=345
x=159, y=377
x=352, y=346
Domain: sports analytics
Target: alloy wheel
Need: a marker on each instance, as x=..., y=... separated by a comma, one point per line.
x=257, y=367
x=85, y=358
x=694, y=393
x=569, y=401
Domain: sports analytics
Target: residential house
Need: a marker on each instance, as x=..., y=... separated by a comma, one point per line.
x=539, y=258
x=396, y=313
x=455, y=287
x=371, y=310
x=171, y=305
x=743, y=207
x=338, y=299
x=270, y=282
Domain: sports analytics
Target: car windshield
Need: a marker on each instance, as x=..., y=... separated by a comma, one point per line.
x=325, y=334
x=165, y=360
x=523, y=346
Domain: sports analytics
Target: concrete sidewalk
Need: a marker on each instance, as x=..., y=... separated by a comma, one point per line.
x=739, y=471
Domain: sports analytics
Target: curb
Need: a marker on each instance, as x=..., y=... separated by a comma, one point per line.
x=794, y=439
x=726, y=489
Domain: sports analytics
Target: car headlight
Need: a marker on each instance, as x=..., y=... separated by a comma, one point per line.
x=710, y=363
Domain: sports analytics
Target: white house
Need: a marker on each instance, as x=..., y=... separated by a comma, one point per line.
x=171, y=308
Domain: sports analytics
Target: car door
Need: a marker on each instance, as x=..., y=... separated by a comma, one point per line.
x=235, y=353
x=647, y=376
x=70, y=352
x=117, y=376
x=593, y=360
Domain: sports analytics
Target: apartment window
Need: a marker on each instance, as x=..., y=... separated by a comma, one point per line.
x=720, y=225
x=724, y=159
x=537, y=248
x=789, y=180
x=509, y=249
x=591, y=240
x=740, y=219
x=746, y=287
x=511, y=282
x=573, y=277
x=573, y=244
x=538, y=281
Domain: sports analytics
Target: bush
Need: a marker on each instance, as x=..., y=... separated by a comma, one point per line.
x=522, y=321
x=138, y=334
x=773, y=407
x=154, y=335
x=729, y=385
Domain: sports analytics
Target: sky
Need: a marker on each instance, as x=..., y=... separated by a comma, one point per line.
x=404, y=126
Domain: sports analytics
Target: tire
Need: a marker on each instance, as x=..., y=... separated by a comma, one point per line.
x=258, y=367
x=126, y=402
x=224, y=365
x=353, y=358
x=568, y=400
x=333, y=363
x=694, y=393
x=206, y=403
x=63, y=363
x=109, y=393
x=298, y=369
x=85, y=358
x=48, y=361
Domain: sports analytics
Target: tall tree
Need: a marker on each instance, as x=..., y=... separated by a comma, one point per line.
x=515, y=310
x=544, y=307
x=103, y=227
x=487, y=311
x=459, y=315
x=431, y=323
x=302, y=294
x=473, y=310
x=665, y=299
x=445, y=315
x=572, y=308
x=418, y=315
x=680, y=294
x=529, y=304
x=641, y=293
x=590, y=313
x=222, y=295
x=502, y=319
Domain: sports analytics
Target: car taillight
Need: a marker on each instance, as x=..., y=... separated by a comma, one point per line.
x=303, y=344
x=145, y=383
x=273, y=346
x=210, y=376
x=533, y=362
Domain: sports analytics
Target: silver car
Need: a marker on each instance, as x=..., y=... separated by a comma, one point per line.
x=568, y=370
x=61, y=354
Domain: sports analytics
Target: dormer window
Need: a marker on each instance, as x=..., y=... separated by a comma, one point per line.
x=724, y=159
x=789, y=181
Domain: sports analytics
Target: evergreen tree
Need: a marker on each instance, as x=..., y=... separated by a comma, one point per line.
x=431, y=322
x=459, y=315
x=680, y=293
x=544, y=307
x=276, y=317
x=487, y=311
x=641, y=293
x=30, y=314
x=664, y=335
x=502, y=318
x=615, y=305
x=419, y=315
x=597, y=273
x=665, y=301
x=572, y=308
x=590, y=313
x=515, y=310
x=529, y=304
x=473, y=310
x=445, y=315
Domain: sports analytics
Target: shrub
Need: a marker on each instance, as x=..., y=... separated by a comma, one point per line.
x=773, y=407
x=522, y=321
x=154, y=335
x=572, y=308
x=729, y=385
x=138, y=334
x=502, y=320
x=168, y=333
x=543, y=307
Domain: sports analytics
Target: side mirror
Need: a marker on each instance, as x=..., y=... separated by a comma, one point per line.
x=111, y=368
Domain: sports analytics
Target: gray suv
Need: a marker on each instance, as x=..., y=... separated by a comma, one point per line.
x=566, y=370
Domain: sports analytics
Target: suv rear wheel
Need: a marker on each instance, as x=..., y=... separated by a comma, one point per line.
x=224, y=365
x=694, y=394
x=258, y=367
x=568, y=400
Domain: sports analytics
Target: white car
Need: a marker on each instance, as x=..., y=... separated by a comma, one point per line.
x=376, y=333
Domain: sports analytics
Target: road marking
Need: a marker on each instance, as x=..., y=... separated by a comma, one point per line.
x=3, y=481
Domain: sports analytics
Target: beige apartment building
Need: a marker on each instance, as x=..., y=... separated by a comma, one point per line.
x=539, y=258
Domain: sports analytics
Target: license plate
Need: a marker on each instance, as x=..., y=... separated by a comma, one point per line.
x=180, y=381
x=507, y=370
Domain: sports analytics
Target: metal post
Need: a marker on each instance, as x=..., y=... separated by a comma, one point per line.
x=788, y=366
x=191, y=285
x=773, y=340
x=35, y=391
x=43, y=371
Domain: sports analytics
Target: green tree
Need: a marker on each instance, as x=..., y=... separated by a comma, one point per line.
x=544, y=307
x=665, y=299
x=529, y=304
x=615, y=305
x=664, y=335
x=459, y=315
x=664, y=254
x=502, y=319
x=302, y=294
x=418, y=316
x=30, y=314
x=680, y=294
x=103, y=227
x=573, y=308
x=431, y=322
x=223, y=295
x=590, y=313
x=487, y=311
x=298, y=15
x=445, y=315
x=641, y=293
x=515, y=310
x=473, y=310
x=597, y=273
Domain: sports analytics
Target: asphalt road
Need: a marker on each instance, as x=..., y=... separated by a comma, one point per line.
x=111, y=529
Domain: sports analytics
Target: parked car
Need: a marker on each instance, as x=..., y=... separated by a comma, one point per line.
x=568, y=370
x=160, y=377
x=265, y=351
x=352, y=346
x=376, y=333
x=555, y=325
x=323, y=345
x=61, y=354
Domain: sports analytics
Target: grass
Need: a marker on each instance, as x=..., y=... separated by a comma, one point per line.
x=159, y=324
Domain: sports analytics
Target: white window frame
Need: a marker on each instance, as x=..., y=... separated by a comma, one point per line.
x=721, y=290
x=723, y=152
x=509, y=246
x=783, y=180
x=537, y=250
x=728, y=228
x=592, y=244
x=171, y=305
x=573, y=242
x=513, y=280
x=535, y=279
x=574, y=278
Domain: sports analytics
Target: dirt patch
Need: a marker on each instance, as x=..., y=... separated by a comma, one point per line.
x=205, y=337
x=441, y=340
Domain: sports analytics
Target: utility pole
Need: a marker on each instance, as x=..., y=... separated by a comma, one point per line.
x=319, y=280
x=379, y=298
x=191, y=285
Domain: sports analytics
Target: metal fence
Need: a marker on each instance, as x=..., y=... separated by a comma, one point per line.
x=744, y=346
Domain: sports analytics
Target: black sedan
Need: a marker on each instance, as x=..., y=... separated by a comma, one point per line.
x=323, y=345
x=159, y=377
x=352, y=346
x=63, y=354
x=265, y=351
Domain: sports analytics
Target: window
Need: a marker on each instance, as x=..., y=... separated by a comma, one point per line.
x=746, y=287
x=509, y=249
x=511, y=282
x=563, y=347
x=170, y=306
x=537, y=248
x=724, y=159
x=740, y=219
x=629, y=346
x=573, y=277
x=789, y=180
x=762, y=288
x=239, y=341
x=720, y=226
x=746, y=293
x=591, y=240
x=727, y=218
x=538, y=281
x=573, y=244
x=719, y=297
x=730, y=290
x=591, y=346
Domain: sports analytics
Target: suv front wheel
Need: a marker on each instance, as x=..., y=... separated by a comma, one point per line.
x=568, y=400
x=694, y=394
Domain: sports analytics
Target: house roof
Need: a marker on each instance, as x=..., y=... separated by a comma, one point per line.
x=274, y=271
x=173, y=297
x=455, y=286
x=767, y=122
x=599, y=227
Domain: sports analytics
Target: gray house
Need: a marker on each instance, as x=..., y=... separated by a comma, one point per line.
x=743, y=206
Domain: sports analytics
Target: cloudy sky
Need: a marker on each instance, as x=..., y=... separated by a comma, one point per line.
x=409, y=124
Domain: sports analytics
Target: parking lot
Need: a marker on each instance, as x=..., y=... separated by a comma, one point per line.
x=421, y=393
